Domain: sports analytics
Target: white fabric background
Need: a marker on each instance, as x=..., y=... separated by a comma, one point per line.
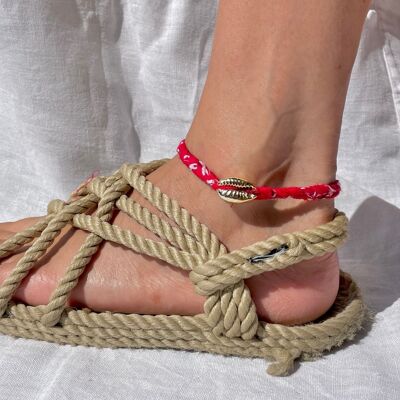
x=86, y=85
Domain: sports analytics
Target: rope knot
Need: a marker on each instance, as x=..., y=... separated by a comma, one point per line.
x=55, y=206
x=232, y=313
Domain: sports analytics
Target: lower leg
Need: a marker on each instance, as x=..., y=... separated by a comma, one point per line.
x=276, y=88
x=270, y=113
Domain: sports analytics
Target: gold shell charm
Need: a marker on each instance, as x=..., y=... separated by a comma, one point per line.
x=238, y=191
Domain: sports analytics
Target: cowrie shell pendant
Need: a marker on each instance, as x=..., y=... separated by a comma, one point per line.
x=238, y=191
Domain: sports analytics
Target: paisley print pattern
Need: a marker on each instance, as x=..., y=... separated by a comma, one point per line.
x=312, y=192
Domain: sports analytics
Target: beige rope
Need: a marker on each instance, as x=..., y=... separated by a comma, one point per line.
x=229, y=324
x=231, y=268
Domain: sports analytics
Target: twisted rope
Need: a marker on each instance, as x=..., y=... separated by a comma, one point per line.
x=235, y=266
x=59, y=297
x=229, y=324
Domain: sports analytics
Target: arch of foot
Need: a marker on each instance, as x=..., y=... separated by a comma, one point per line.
x=112, y=189
x=107, y=192
x=231, y=311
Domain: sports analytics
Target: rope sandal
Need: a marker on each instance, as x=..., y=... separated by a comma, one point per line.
x=229, y=324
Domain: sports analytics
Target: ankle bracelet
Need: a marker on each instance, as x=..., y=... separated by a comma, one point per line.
x=237, y=190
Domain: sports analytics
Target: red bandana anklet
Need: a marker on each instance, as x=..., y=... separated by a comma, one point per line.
x=236, y=190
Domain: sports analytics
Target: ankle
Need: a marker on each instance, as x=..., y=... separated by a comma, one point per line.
x=273, y=161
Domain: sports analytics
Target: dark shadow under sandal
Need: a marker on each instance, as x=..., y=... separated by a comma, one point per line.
x=229, y=324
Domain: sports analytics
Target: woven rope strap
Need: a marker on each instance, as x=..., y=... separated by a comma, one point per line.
x=229, y=317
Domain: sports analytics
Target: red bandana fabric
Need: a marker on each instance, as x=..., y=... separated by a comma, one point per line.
x=312, y=192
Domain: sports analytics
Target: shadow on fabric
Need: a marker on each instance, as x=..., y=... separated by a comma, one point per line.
x=372, y=252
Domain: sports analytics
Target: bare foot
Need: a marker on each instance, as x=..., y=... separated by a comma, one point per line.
x=121, y=280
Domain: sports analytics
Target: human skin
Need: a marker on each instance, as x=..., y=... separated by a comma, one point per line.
x=270, y=112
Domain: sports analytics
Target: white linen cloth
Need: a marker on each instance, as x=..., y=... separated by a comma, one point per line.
x=86, y=85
